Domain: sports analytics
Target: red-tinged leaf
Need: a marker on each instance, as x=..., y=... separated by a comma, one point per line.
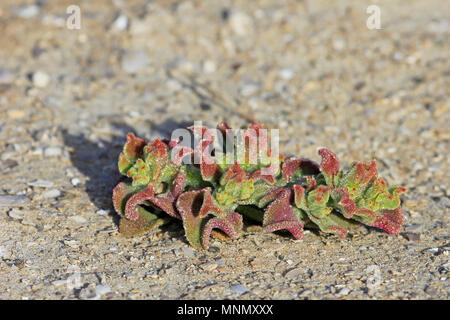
x=193, y=207
x=157, y=148
x=145, y=222
x=390, y=221
x=329, y=165
x=167, y=202
x=137, y=199
x=280, y=215
x=290, y=165
x=299, y=196
x=231, y=225
x=358, y=177
x=121, y=193
x=340, y=232
x=297, y=166
x=234, y=173
x=365, y=215
x=310, y=183
x=346, y=205
x=134, y=146
x=269, y=197
x=267, y=177
x=366, y=172
x=209, y=171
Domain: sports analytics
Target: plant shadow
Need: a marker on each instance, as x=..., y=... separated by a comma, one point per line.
x=97, y=160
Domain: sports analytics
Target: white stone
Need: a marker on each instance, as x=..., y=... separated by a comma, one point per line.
x=241, y=23
x=40, y=79
x=4, y=252
x=52, y=152
x=75, y=181
x=102, y=289
x=286, y=74
x=121, y=23
x=41, y=183
x=102, y=212
x=133, y=62
x=51, y=194
x=28, y=11
x=209, y=66
x=238, y=288
x=16, y=214
x=78, y=219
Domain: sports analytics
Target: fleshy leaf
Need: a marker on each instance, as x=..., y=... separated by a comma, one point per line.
x=234, y=186
x=377, y=196
x=390, y=221
x=329, y=166
x=358, y=177
x=131, y=152
x=167, y=201
x=231, y=226
x=294, y=168
x=280, y=215
x=321, y=214
x=346, y=205
x=145, y=222
x=137, y=199
x=121, y=193
x=193, y=207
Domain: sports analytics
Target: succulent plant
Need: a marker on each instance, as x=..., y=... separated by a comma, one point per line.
x=213, y=190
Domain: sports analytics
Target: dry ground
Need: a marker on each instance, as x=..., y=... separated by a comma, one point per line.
x=311, y=68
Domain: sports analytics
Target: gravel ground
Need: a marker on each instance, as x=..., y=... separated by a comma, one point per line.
x=310, y=68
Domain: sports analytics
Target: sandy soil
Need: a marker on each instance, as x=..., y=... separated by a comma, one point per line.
x=310, y=68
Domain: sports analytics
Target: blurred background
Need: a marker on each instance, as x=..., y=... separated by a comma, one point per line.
x=76, y=76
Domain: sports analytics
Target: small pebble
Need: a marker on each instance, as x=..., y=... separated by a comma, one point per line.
x=239, y=289
x=414, y=227
x=241, y=23
x=41, y=183
x=344, y=291
x=16, y=214
x=40, y=79
x=213, y=249
x=52, y=152
x=293, y=273
x=7, y=200
x=102, y=289
x=78, y=219
x=410, y=236
x=75, y=181
x=121, y=23
x=208, y=266
x=133, y=62
x=6, y=76
x=188, y=252
x=248, y=90
x=286, y=74
x=102, y=212
x=15, y=114
x=4, y=252
x=59, y=283
x=72, y=243
x=209, y=66
x=27, y=12
x=51, y=194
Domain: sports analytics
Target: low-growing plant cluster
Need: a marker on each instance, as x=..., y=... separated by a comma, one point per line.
x=210, y=194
